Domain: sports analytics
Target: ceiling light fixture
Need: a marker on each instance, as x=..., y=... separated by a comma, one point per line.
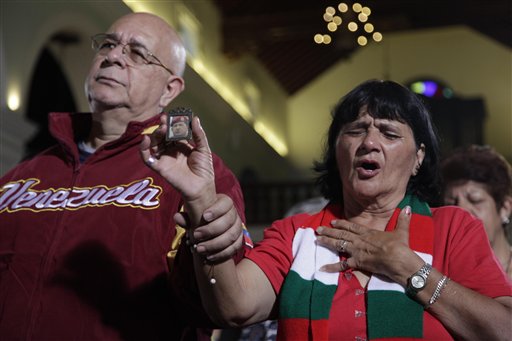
x=357, y=18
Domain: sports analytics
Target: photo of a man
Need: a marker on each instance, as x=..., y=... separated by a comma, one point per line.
x=179, y=126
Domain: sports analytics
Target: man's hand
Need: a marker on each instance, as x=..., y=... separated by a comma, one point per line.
x=221, y=235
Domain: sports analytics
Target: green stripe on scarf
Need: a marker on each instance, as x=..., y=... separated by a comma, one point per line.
x=317, y=291
x=306, y=296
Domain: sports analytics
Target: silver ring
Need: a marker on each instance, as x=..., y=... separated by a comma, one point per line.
x=342, y=245
x=151, y=160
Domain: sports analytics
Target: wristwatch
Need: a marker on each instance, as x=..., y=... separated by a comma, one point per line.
x=418, y=280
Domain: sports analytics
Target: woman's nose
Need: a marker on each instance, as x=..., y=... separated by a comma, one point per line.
x=465, y=204
x=370, y=140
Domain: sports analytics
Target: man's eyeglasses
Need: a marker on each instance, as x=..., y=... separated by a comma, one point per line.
x=104, y=43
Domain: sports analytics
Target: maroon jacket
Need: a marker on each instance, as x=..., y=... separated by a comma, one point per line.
x=83, y=246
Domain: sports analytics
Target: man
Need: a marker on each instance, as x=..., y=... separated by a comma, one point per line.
x=179, y=126
x=86, y=228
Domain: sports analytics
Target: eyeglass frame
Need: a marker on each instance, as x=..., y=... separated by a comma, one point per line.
x=97, y=48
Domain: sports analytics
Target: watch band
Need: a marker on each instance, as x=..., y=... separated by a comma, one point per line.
x=425, y=270
x=418, y=280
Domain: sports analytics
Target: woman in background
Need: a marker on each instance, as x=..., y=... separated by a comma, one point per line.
x=479, y=179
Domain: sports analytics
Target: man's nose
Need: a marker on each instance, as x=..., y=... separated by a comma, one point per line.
x=117, y=55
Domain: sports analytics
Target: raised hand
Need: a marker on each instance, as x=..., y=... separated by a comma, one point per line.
x=188, y=167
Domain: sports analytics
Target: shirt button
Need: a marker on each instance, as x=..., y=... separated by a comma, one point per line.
x=359, y=313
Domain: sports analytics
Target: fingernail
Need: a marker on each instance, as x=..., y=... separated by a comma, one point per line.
x=319, y=229
x=207, y=216
x=322, y=268
x=200, y=249
x=408, y=210
x=333, y=221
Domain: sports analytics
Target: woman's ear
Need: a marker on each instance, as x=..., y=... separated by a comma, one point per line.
x=506, y=210
x=420, y=156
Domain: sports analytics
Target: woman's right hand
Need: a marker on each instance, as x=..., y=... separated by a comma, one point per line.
x=370, y=250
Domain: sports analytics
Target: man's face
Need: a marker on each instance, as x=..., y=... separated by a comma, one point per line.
x=179, y=129
x=114, y=81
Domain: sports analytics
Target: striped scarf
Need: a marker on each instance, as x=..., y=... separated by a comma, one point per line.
x=307, y=293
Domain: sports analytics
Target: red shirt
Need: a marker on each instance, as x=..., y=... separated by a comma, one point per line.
x=83, y=247
x=461, y=251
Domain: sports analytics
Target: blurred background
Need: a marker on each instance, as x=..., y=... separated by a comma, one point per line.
x=264, y=75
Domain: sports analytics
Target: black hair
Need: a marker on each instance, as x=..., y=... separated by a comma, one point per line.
x=388, y=100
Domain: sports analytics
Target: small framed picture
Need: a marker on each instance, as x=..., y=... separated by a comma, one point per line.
x=179, y=123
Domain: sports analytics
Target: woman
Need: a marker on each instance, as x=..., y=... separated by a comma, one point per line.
x=376, y=262
x=479, y=180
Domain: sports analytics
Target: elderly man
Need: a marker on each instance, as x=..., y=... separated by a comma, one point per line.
x=87, y=233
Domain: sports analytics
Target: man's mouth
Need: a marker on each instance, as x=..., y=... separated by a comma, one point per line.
x=104, y=79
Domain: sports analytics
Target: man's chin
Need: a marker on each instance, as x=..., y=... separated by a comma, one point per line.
x=100, y=106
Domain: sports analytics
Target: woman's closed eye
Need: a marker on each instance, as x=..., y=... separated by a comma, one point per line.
x=391, y=135
x=355, y=132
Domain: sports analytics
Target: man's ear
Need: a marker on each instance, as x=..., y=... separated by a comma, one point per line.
x=174, y=87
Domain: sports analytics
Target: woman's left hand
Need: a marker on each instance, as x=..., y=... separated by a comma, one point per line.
x=188, y=167
x=366, y=249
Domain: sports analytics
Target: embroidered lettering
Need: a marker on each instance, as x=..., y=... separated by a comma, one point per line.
x=20, y=195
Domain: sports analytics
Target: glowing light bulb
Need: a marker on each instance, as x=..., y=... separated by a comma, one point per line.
x=377, y=36
x=361, y=40
x=13, y=100
x=330, y=10
x=343, y=7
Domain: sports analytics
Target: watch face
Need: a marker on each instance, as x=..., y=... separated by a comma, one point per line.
x=417, y=282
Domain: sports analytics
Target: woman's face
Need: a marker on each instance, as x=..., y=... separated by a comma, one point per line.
x=474, y=197
x=376, y=158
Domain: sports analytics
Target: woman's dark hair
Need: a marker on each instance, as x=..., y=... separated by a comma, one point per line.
x=481, y=164
x=384, y=100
